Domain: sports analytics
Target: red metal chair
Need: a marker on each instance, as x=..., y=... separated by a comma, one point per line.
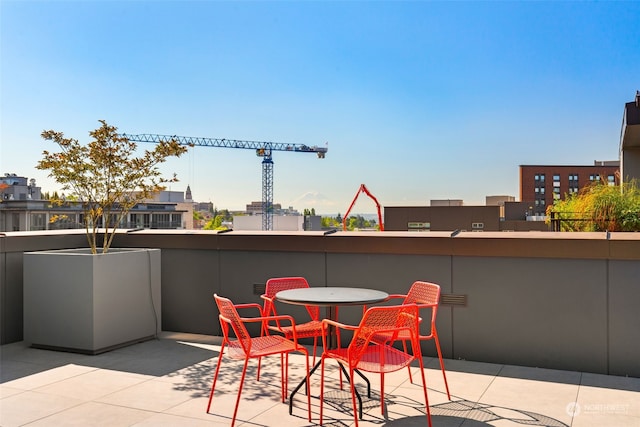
x=245, y=347
x=365, y=354
x=427, y=296
x=310, y=329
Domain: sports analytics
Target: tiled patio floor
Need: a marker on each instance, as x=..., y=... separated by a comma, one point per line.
x=166, y=382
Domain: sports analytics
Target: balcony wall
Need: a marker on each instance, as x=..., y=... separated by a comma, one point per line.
x=555, y=300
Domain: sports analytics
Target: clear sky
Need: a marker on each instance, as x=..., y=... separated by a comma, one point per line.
x=418, y=100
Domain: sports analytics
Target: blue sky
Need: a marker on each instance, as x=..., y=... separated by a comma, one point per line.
x=418, y=100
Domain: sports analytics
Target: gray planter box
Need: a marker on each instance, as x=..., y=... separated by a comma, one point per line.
x=76, y=301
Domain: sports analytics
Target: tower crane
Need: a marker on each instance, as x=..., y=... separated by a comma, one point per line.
x=263, y=149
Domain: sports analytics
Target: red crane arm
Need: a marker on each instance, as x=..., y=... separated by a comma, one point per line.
x=363, y=189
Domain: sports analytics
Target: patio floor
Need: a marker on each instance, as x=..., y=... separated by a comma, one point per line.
x=165, y=382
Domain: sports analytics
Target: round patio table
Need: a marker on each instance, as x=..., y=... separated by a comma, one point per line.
x=331, y=297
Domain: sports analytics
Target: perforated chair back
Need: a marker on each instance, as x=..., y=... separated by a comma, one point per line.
x=425, y=293
x=391, y=321
x=277, y=284
x=229, y=317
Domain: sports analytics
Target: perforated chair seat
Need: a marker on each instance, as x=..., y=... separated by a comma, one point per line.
x=377, y=358
x=261, y=346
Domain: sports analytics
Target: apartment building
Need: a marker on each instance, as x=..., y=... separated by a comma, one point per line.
x=540, y=185
x=630, y=140
x=23, y=209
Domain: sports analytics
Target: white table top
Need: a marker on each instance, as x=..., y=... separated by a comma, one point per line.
x=331, y=296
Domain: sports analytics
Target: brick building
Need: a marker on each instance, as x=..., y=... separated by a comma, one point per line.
x=540, y=185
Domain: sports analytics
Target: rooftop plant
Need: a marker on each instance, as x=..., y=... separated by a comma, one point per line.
x=106, y=177
x=599, y=207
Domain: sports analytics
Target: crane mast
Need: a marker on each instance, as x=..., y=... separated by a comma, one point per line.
x=263, y=149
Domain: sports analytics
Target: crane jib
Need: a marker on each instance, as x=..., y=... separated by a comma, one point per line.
x=228, y=143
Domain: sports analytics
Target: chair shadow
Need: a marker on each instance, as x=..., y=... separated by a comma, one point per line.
x=454, y=413
x=399, y=411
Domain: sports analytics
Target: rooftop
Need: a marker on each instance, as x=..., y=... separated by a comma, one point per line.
x=166, y=382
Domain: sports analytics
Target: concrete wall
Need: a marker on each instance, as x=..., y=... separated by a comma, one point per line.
x=555, y=300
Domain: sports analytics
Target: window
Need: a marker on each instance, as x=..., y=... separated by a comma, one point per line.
x=176, y=220
x=15, y=221
x=573, y=183
x=160, y=220
x=477, y=226
x=556, y=177
x=418, y=226
x=611, y=180
x=38, y=221
x=140, y=220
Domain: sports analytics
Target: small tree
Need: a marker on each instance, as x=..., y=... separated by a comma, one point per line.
x=106, y=177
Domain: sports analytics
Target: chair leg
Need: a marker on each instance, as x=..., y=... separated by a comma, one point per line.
x=284, y=371
x=444, y=375
x=244, y=373
x=353, y=396
x=382, y=393
x=315, y=346
x=404, y=347
x=322, y=359
x=259, y=365
x=215, y=377
x=306, y=358
x=424, y=388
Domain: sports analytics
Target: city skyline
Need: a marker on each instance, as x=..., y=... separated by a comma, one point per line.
x=417, y=100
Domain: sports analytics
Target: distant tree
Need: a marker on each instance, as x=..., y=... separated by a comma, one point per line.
x=198, y=217
x=216, y=223
x=353, y=222
x=329, y=222
x=226, y=215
